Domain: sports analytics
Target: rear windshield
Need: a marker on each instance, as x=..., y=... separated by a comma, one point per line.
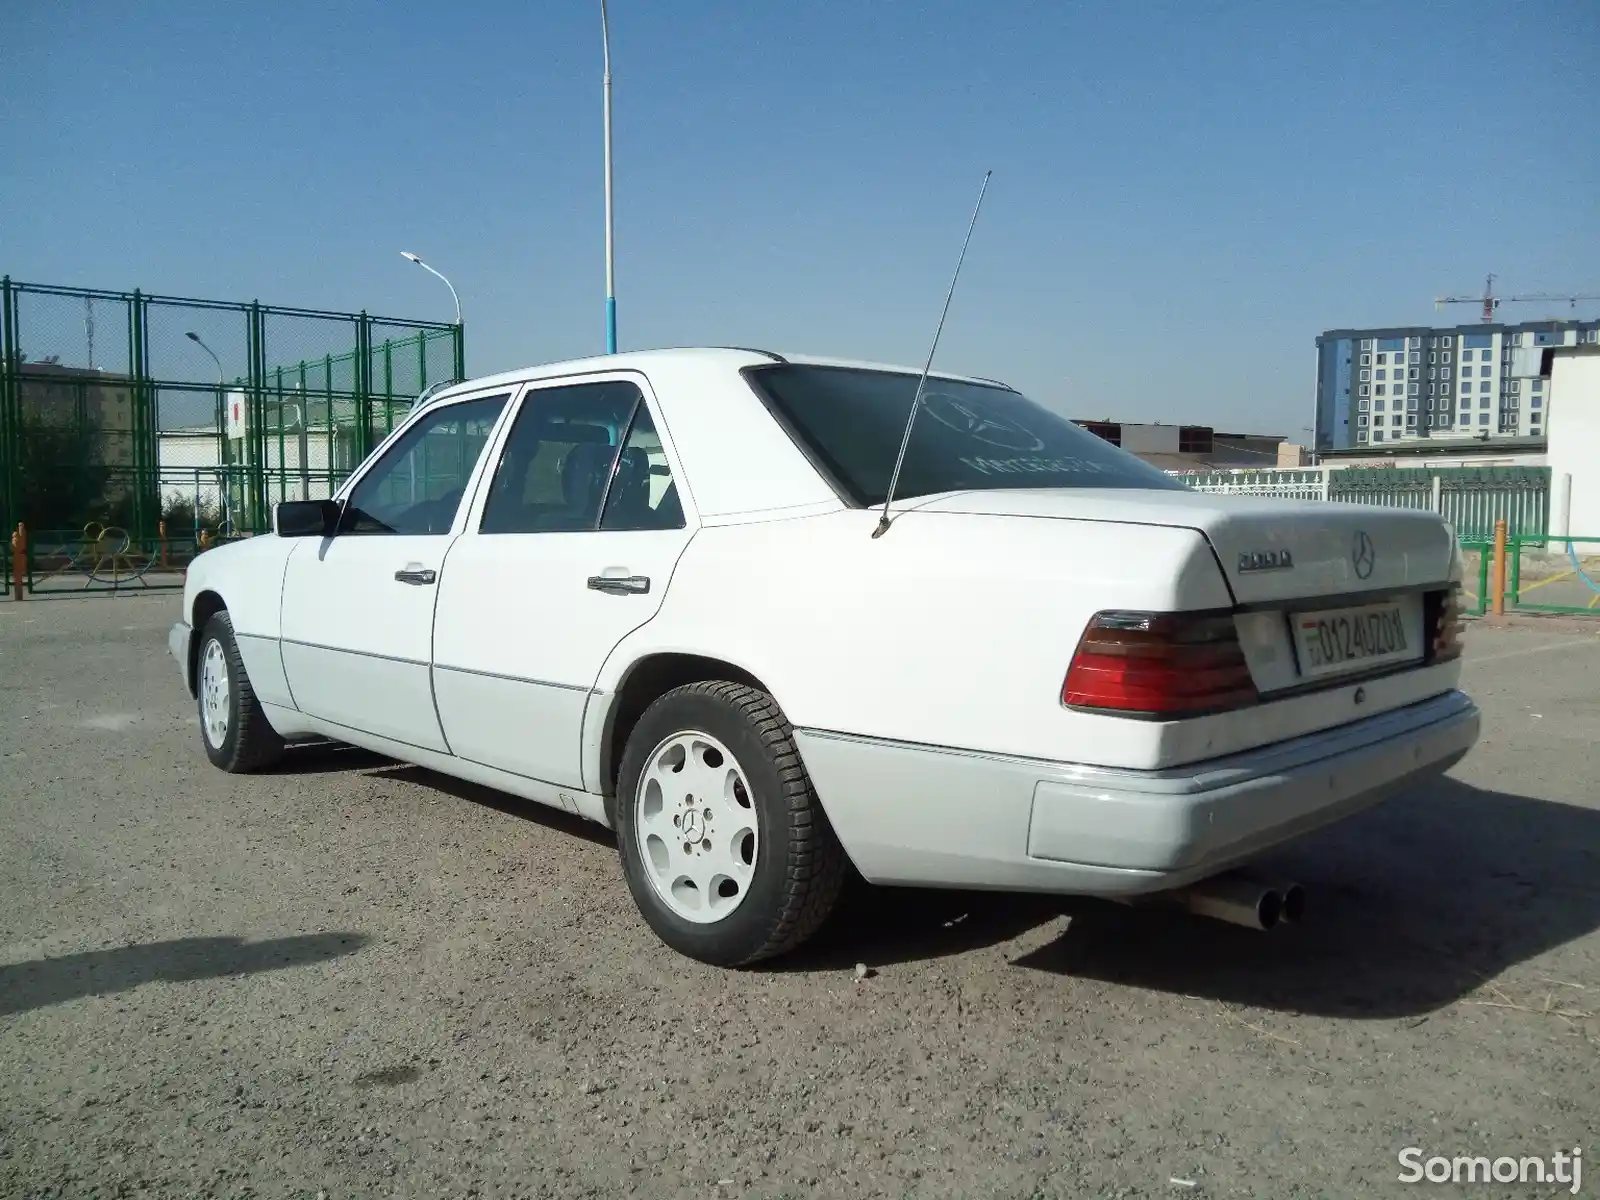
x=966, y=436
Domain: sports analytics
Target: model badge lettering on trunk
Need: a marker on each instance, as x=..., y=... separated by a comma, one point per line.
x=1265, y=560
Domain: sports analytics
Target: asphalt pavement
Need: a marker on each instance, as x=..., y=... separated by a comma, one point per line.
x=351, y=977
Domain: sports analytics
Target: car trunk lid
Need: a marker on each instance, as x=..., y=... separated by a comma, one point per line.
x=1270, y=550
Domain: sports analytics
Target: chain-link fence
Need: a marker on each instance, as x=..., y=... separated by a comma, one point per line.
x=128, y=413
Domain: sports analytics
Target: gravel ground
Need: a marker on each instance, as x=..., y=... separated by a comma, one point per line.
x=355, y=978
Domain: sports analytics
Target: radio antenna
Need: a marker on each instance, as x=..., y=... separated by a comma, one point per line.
x=916, y=403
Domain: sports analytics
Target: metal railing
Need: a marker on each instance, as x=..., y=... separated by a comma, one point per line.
x=1471, y=499
x=1555, y=574
x=1565, y=572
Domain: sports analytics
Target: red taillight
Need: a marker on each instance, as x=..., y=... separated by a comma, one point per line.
x=1445, y=625
x=1159, y=664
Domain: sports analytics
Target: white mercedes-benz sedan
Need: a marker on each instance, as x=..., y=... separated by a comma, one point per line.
x=653, y=589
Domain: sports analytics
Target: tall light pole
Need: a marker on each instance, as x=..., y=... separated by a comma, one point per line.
x=458, y=370
x=222, y=432
x=611, y=278
x=406, y=254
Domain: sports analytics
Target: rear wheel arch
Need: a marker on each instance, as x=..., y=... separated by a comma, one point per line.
x=644, y=682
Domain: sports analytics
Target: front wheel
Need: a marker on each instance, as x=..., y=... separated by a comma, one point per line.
x=724, y=845
x=233, y=728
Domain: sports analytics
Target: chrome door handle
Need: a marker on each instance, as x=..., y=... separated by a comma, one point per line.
x=620, y=585
x=416, y=575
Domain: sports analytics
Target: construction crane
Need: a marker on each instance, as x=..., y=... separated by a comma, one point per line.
x=1491, y=302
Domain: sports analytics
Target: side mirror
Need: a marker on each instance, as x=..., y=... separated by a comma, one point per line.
x=305, y=518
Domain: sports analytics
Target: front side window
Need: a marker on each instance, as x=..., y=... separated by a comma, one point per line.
x=416, y=487
x=559, y=457
x=850, y=422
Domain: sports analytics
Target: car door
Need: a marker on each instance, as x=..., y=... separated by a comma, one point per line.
x=357, y=625
x=579, y=529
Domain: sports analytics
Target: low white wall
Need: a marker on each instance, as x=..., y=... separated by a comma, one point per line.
x=1574, y=433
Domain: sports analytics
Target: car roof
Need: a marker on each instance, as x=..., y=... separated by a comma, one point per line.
x=724, y=357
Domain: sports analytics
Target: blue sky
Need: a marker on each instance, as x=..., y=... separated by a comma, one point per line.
x=1168, y=176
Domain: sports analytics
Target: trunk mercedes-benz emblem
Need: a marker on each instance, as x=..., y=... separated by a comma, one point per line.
x=1363, y=555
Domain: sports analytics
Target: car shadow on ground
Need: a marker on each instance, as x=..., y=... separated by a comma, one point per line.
x=312, y=758
x=1412, y=907
x=882, y=926
x=501, y=802
x=46, y=981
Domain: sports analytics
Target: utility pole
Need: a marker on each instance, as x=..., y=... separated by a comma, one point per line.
x=611, y=279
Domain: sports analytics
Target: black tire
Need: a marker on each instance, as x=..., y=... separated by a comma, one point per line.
x=800, y=868
x=250, y=742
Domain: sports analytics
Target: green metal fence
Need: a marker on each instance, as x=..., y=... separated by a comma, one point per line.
x=122, y=410
x=1470, y=498
x=1541, y=575
x=1559, y=580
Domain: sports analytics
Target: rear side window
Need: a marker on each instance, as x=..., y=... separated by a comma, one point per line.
x=967, y=436
x=559, y=457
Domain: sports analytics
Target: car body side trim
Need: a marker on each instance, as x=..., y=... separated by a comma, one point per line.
x=394, y=658
x=549, y=683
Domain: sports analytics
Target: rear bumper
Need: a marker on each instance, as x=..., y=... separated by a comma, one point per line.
x=178, y=638
x=922, y=815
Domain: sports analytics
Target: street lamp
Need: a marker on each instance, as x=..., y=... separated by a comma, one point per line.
x=412, y=257
x=611, y=280
x=195, y=338
x=222, y=433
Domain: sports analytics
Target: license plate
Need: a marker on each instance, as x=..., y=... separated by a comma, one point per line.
x=1351, y=639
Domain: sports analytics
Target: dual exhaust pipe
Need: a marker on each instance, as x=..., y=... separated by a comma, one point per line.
x=1241, y=898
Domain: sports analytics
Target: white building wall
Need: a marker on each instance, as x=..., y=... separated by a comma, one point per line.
x=191, y=467
x=1574, y=419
